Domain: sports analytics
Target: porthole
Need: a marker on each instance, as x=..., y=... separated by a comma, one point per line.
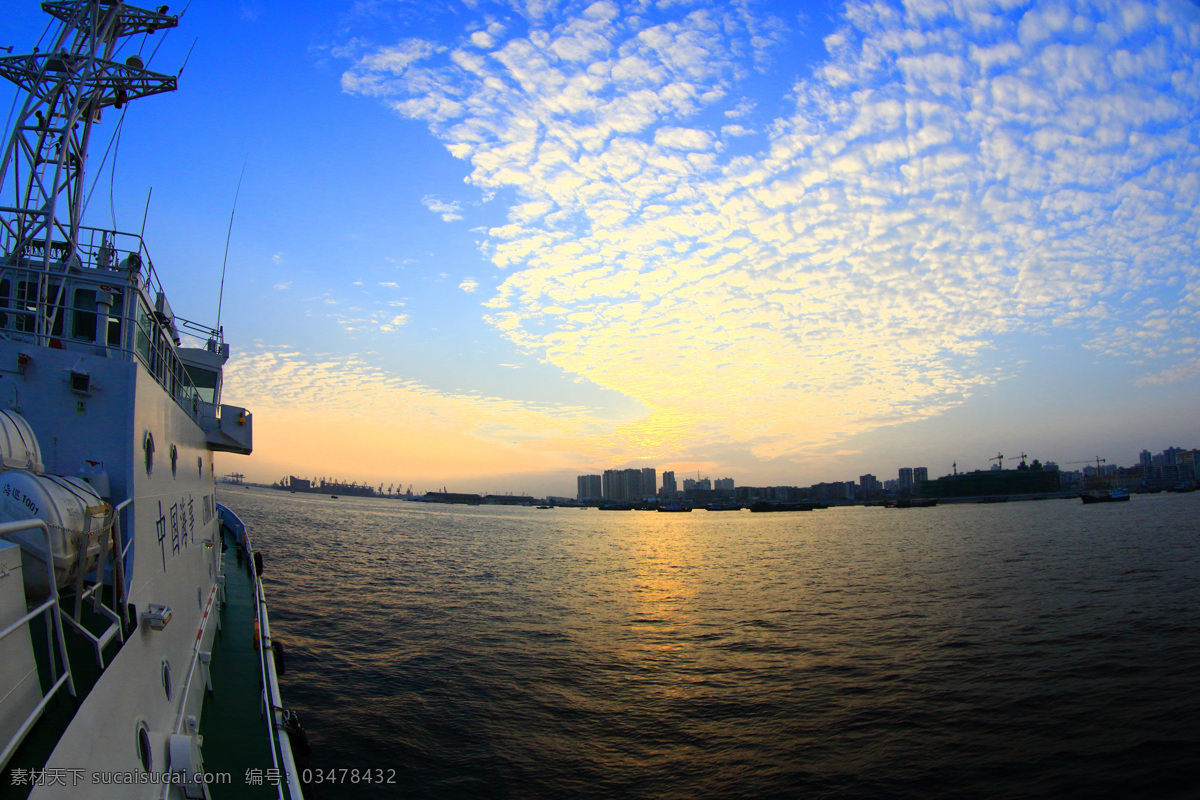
x=148, y=447
x=145, y=754
x=174, y=461
x=166, y=677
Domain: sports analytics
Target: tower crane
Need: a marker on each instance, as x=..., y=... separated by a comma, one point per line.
x=999, y=457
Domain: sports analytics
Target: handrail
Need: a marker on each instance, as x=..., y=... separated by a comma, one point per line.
x=272, y=700
x=106, y=259
x=95, y=591
x=50, y=605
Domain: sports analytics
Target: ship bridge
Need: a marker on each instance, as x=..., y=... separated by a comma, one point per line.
x=103, y=298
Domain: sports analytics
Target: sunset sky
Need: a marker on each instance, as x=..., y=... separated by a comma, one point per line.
x=491, y=246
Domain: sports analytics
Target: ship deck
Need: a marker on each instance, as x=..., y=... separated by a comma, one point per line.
x=233, y=724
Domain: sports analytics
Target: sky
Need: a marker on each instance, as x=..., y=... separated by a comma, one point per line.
x=490, y=246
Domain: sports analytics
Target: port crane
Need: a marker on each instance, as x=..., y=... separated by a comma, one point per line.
x=1097, y=459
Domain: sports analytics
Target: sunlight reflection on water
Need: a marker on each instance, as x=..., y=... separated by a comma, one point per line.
x=1002, y=650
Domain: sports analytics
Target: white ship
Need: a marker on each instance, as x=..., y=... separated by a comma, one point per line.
x=135, y=652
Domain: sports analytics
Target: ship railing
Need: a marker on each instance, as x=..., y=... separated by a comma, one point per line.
x=281, y=750
x=102, y=297
x=54, y=630
x=111, y=531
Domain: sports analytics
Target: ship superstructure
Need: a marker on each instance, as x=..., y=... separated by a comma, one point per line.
x=110, y=413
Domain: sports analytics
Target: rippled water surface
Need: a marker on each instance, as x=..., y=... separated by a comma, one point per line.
x=1038, y=649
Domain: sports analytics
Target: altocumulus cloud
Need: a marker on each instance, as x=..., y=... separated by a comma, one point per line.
x=949, y=173
x=449, y=211
x=282, y=379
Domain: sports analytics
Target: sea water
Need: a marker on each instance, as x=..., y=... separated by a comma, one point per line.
x=1034, y=649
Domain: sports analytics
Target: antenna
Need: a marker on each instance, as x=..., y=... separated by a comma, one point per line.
x=185, y=59
x=146, y=213
x=228, y=235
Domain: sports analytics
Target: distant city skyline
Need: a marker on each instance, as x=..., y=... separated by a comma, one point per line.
x=594, y=481
x=611, y=486
x=505, y=244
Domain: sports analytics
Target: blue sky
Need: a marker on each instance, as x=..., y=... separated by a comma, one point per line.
x=496, y=245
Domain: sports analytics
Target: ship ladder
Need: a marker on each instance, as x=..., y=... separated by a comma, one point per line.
x=108, y=536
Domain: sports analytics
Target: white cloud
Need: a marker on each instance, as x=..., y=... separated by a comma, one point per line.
x=683, y=138
x=950, y=175
x=469, y=285
x=281, y=379
x=448, y=211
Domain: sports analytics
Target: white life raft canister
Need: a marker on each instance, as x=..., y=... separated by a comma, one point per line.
x=78, y=520
x=19, y=447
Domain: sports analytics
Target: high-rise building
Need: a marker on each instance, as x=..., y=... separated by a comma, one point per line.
x=590, y=487
x=668, y=485
x=906, y=479
x=628, y=485
x=920, y=475
x=868, y=484
x=723, y=483
x=633, y=485
x=612, y=488
x=649, y=482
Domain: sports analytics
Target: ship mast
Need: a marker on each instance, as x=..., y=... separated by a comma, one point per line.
x=67, y=87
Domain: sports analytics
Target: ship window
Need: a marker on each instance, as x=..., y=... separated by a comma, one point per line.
x=83, y=315
x=174, y=460
x=205, y=382
x=145, y=754
x=145, y=328
x=199, y=467
x=114, y=323
x=26, y=303
x=148, y=446
x=166, y=677
x=52, y=304
x=56, y=329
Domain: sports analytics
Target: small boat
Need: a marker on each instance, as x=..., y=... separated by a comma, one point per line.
x=765, y=506
x=674, y=508
x=913, y=502
x=1105, y=496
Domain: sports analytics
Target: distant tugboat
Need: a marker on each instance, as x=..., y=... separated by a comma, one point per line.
x=763, y=505
x=913, y=502
x=1105, y=496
